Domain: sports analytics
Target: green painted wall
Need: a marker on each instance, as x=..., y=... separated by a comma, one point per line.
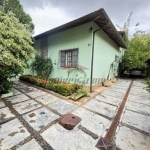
x=80, y=37
x=104, y=55
x=77, y=37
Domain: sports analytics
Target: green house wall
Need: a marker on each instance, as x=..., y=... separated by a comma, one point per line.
x=80, y=37
x=105, y=50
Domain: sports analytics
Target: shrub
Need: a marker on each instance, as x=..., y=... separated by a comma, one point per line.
x=41, y=67
x=16, y=48
x=148, y=84
x=82, y=91
x=63, y=89
x=6, y=73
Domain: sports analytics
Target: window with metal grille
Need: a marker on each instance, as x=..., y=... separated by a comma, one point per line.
x=69, y=58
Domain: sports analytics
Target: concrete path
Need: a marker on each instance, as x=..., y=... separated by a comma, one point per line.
x=133, y=132
x=29, y=119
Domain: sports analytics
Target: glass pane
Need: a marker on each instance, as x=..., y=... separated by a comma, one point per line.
x=62, y=53
x=74, y=52
x=62, y=64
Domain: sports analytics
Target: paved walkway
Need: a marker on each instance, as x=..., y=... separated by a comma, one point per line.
x=29, y=119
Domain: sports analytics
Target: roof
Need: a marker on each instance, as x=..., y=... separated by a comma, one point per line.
x=100, y=17
x=122, y=33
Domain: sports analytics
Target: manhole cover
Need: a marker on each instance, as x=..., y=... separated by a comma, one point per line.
x=69, y=121
x=103, y=144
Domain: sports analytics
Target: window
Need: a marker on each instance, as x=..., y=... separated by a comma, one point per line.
x=69, y=58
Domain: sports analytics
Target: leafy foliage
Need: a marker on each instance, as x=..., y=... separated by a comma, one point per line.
x=42, y=67
x=7, y=72
x=148, y=84
x=82, y=91
x=15, y=49
x=138, y=47
x=15, y=7
x=63, y=89
x=138, y=51
x=16, y=44
x=77, y=68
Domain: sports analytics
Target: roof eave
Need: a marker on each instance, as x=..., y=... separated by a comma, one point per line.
x=102, y=21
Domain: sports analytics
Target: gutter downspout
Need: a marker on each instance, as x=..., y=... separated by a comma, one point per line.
x=92, y=60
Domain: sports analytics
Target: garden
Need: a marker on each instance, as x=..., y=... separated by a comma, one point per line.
x=41, y=69
x=16, y=49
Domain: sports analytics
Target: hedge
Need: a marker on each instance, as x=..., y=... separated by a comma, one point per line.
x=64, y=89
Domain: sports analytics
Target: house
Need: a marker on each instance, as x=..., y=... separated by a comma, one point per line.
x=92, y=42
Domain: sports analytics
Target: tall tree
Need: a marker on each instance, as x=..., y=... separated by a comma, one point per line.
x=138, y=47
x=15, y=7
x=138, y=50
x=15, y=48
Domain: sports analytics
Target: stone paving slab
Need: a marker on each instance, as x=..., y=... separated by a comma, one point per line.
x=26, y=106
x=113, y=89
x=40, y=118
x=138, y=89
x=62, y=107
x=5, y=114
x=46, y=99
x=93, y=122
x=139, y=85
x=2, y=104
x=18, y=98
x=128, y=139
x=37, y=93
x=136, y=120
x=28, y=89
x=141, y=108
x=20, y=85
x=119, y=87
x=101, y=107
x=109, y=99
x=136, y=98
x=140, y=94
x=124, y=82
x=15, y=92
x=12, y=133
x=113, y=94
x=31, y=145
x=62, y=139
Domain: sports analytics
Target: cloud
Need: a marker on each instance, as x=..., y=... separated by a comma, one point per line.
x=117, y=10
x=47, y=18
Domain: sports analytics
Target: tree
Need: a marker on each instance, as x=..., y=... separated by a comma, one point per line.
x=138, y=50
x=138, y=47
x=16, y=48
x=15, y=7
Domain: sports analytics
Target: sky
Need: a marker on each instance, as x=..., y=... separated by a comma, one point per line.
x=48, y=14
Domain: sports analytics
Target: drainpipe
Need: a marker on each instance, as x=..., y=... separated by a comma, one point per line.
x=93, y=55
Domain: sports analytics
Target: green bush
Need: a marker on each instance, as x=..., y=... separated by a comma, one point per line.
x=148, y=84
x=6, y=73
x=82, y=91
x=42, y=67
x=51, y=84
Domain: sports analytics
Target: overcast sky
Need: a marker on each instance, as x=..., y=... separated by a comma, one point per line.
x=47, y=14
